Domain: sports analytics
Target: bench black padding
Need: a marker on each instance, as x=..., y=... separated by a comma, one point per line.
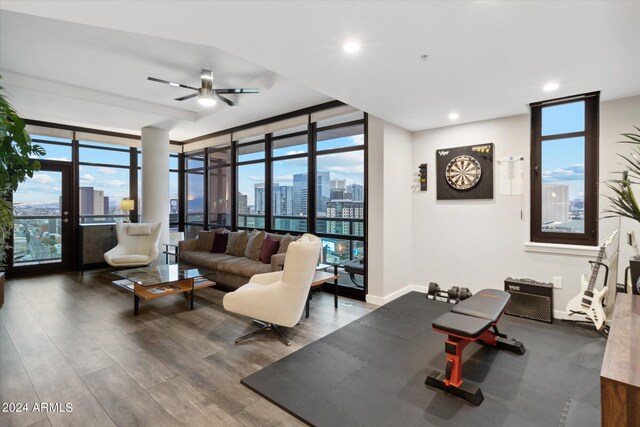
x=486, y=304
x=473, y=319
x=463, y=326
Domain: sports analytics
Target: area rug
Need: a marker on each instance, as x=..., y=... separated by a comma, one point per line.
x=372, y=371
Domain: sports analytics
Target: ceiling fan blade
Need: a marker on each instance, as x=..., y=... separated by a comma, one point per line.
x=227, y=101
x=153, y=79
x=237, y=90
x=183, y=98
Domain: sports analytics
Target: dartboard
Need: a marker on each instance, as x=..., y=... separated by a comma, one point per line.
x=463, y=172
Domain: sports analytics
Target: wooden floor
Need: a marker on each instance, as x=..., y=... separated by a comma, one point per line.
x=71, y=339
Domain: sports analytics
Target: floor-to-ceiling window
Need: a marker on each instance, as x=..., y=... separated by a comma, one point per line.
x=340, y=192
x=220, y=186
x=289, y=179
x=251, y=199
x=104, y=182
x=194, y=193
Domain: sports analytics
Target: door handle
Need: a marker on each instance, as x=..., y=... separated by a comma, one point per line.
x=65, y=213
x=65, y=220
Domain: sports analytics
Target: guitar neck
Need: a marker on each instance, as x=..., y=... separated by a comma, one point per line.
x=595, y=270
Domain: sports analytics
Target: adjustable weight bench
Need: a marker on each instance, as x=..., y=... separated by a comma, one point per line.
x=474, y=319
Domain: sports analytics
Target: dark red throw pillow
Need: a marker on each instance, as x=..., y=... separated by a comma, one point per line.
x=269, y=248
x=220, y=243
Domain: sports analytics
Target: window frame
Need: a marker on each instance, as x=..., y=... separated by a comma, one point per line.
x=591, y=140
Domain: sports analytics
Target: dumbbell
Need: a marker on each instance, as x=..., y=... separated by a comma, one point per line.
x=464, y=294
x=434, y=288
x=459, y=294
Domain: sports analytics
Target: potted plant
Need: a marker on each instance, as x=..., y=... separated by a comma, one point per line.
x=624, y=202
x=16, y=150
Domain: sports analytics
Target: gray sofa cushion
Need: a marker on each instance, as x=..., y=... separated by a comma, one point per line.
x=204, y=240
x=284, y=242
x=204, y=258
x=243, y=267
x=254, y=244
x=237, y=243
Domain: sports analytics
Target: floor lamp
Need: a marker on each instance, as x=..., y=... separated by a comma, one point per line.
x=127, y=206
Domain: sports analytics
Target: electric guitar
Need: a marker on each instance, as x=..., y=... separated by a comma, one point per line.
x=631, y=241
x=588, y=302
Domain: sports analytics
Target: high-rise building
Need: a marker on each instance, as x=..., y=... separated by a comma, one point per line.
x=242, y=203
x=300, y=194
x=357, y=192
x=86, y=200
x=340, y=194
x=282, y=201
x=555, y=203
x=338, y=184
x=93, y=202
x=259, y=198
x=323, y=191
x=345, y=209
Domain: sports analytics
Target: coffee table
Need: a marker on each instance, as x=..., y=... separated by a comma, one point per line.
x=148, y=283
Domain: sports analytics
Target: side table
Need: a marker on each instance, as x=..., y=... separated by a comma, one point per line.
x=171, y=249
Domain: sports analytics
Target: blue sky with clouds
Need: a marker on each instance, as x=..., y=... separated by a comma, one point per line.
x=563, y=159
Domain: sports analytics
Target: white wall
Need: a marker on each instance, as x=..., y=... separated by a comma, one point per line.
x=478, y=244
x=389, y=210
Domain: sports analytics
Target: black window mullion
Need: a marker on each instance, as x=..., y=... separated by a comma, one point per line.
x=234, y=186
x=311, y=180
x=268, y=185
x=133, y=184
x=182, y=196
x=205, y=190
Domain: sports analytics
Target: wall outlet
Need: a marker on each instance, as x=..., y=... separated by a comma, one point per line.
x=557, y=282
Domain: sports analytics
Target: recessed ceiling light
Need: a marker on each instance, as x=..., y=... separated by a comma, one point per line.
x=550, y=87
x=351, y=46
x=454, y=116
x=206, y=102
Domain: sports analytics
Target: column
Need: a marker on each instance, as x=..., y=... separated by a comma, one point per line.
x=155, y=181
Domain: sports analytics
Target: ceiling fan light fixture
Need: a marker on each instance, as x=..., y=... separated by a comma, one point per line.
x=206, y=101
x=206, y=98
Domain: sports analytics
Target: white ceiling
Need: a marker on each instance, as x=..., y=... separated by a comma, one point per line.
x=486, y=59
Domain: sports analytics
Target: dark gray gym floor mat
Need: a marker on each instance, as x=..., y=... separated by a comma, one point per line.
x=372, y=371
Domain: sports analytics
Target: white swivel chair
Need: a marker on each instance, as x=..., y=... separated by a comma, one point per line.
x=278, y=299
x=137, y=245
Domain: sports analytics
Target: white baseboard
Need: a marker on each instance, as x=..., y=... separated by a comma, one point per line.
x=377, y=300
x=560, y=314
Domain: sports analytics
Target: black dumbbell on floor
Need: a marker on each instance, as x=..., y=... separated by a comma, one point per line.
x=454, y=294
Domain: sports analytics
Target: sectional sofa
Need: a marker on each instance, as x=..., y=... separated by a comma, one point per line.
x=239, y=259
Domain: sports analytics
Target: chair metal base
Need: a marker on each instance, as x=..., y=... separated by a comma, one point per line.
x=264, y=328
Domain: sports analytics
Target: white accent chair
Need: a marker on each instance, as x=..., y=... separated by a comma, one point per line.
x=137, y=245
x=278, y=298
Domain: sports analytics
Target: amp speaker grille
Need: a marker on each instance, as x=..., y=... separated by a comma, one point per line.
x=531, y=306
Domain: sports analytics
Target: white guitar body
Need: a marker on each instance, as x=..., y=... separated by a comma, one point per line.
x=588, y=302
x=590, y=307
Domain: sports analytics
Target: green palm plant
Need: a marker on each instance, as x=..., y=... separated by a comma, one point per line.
x=16, y=164
x=624, y=202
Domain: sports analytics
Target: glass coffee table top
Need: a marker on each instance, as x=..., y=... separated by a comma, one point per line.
x=149, y=276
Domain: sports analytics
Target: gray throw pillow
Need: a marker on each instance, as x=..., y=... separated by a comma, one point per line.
x=284, y=242
x=254, y=244
x=237, y=243
x=205, y=240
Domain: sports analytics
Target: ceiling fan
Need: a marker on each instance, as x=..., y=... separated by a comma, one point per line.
x=207, y=94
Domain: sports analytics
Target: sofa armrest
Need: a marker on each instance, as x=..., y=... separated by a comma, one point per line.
x=277, y=261
x=187, y=245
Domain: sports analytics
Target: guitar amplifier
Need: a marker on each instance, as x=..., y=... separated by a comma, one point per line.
x=530, y=299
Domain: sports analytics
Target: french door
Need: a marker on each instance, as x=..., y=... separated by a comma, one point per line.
x=44, y=221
